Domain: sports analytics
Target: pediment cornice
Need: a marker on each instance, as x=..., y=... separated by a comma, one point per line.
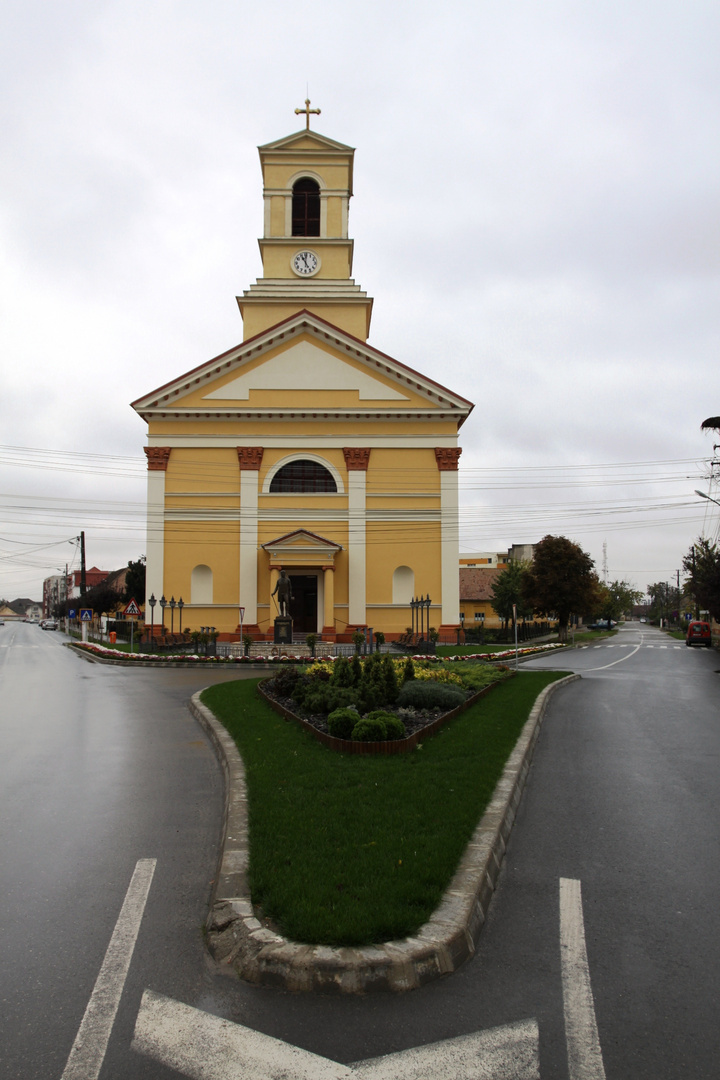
x=167, y=400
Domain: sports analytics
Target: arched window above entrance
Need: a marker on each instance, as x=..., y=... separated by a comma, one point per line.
x=403, y=585
x=303, y=477
x=201, y=585
x=306, y=207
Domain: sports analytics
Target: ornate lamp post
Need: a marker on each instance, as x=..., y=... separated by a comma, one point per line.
x=181, y=606
x=163, y=605
x=152, y=602
x=172, y=614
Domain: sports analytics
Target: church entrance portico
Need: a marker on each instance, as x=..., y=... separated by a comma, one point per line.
x=309, y=562
x=304, y=605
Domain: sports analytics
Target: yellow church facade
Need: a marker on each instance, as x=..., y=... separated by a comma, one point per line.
x=304, y=448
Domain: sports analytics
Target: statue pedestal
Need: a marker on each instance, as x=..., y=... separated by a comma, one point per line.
x=283, y=630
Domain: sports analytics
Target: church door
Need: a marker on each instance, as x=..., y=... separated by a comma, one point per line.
x=304, y=603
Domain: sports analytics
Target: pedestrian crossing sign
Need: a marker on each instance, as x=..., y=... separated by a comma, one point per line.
x=131, y=611
x=85, y=614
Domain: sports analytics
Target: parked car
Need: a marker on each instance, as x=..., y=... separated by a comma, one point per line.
x=698, y=633
x=49, y=624
x=602, y=624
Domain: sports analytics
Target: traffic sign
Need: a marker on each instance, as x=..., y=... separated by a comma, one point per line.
x=72, y=613
x=132, y=610
x=85, y=614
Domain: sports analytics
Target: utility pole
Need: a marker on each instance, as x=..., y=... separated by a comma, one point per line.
x=83, y=582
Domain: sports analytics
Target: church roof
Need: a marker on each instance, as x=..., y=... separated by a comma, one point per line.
x=397, y=390
x=305, y=138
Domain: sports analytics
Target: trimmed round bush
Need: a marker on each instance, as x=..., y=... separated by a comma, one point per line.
x=367, y=730
x=417, y=694
x=341, y=722
x=393, y=724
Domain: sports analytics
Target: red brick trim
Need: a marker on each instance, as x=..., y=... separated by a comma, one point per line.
x=356, y=458
x=157, y=458
x=447, y=458
x=250, y=457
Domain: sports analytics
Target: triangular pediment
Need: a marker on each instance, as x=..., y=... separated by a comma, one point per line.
x=305, y=365
x=306, y=140
x=299, y=367
x=301, y=539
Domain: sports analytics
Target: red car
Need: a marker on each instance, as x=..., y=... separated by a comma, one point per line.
x=698, y=633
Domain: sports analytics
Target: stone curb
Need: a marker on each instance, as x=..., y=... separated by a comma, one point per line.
x=449, y=938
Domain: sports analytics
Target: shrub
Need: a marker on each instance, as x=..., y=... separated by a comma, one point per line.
x=368, y=730
x=390, y=684
x=430, y=695
x=408, y=670
x=341, y=722
x=342, y=674
x=358, y=640
x=284, y=682
x=379, y=639
x=311, y=642
x=393, y=724
x=324, y=698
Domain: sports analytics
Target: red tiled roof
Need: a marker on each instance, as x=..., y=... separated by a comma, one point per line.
x=477, y=583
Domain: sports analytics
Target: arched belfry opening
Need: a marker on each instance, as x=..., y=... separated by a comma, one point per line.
x=306, y=207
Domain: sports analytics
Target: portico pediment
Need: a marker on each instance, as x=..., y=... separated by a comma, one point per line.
x=302, y=547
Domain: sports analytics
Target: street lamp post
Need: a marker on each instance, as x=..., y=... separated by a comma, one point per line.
x=709, y=498
x=172, y=614
x=163, y=605
x=181, y=605
x=152, y=602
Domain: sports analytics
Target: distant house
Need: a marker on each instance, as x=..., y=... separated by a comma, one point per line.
x=93, y=577
x=476, y=585
x=478, y=573
x=20, y=609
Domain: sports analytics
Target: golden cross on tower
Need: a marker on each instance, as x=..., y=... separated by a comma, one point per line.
x=307, y=110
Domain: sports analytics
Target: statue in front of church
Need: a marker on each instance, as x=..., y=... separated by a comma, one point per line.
x=283, y=588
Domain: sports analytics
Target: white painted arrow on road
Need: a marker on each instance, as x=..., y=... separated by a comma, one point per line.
x=205, y=1047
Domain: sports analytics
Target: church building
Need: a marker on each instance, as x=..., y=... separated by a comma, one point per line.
x=304, y=448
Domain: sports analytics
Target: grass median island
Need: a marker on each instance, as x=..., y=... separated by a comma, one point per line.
x=350, y=850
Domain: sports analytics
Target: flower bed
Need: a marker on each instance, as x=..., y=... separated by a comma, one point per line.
x=290, y=658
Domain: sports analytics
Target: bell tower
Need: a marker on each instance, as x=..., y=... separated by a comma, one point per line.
x=305, y=247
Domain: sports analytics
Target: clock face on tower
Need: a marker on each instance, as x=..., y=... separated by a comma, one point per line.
x=305, y=263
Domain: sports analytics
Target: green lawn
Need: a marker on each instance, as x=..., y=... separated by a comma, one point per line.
x=348, y=850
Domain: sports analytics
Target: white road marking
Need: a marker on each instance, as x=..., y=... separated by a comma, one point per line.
x=581, y=1033
x=505, y=1053
x=88, y=1050
x=205, y=1047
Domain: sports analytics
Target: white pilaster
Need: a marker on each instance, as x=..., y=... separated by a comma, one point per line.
x=356, y=546
x=249, y=543
x=155, y=543
x=450, y=547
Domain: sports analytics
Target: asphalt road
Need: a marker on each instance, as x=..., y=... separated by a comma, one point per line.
x=102, y=767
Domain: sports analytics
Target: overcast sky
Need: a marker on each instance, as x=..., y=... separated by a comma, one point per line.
x=536, y=213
